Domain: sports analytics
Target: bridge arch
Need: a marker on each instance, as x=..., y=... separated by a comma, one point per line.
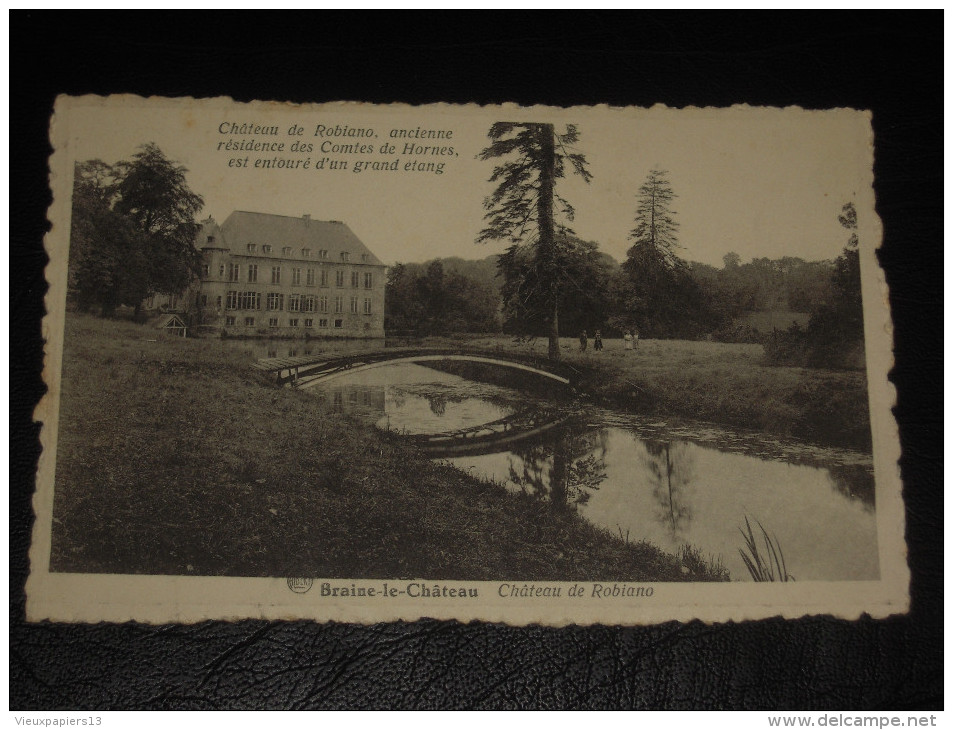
x=306, y=380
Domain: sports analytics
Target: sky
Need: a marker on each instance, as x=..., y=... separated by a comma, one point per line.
x=757, y=182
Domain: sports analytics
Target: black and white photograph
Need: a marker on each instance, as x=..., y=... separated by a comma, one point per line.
x=544, y=365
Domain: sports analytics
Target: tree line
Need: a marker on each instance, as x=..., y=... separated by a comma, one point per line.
x=551, y=283
x=472, y=296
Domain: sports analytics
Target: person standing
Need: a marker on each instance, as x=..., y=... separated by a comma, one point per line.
x=627, y=337
x=597, y=345
x=583, y=341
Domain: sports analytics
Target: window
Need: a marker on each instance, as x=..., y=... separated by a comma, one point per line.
x=249, y=321
x=249, y=300
x=204, y=300
x=205, y=271
x=286, y=251
x=266, y=248
x=233, y=272
x=218, y=302
x=294, y=302
x=310, y=277
x=339, y=277
x=324, y=277
x=308, y=323
x=272, y=321
x=338, y=305
x=368, y=280
x=364, y=257
x=338, y=323
x=323, y=253
x=367, y=305
x=322, y=304
x=345, y=256
x=275, y=274
x=306, y=253
x=296, y=277
x=252, y=273
x=221, y=271
x=353, y=305
x=231, y=300
x=355, y=279
x=251, y=248
x=309, y=303
x=292, y=322
x=322, y=322
x=229, y=321
x=210, y=239
x=292, y=352
x=276, y=301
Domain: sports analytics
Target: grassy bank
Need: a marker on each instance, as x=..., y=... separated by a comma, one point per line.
x=718, y=382
x=176, y=458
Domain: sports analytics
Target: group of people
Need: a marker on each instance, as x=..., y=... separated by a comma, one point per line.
x=630, y=339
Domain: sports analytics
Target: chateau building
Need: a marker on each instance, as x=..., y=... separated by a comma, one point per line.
x=275, y=275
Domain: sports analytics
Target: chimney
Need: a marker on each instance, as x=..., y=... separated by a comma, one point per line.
x=307, y=219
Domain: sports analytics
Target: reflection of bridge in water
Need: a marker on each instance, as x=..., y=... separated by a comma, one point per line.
x=488, y=438
x=308, y=370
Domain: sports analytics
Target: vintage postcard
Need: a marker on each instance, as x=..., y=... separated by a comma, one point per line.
x=526, y=365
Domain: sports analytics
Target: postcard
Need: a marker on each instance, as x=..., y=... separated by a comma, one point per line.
x=529, y=365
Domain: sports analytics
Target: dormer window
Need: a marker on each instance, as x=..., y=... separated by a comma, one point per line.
x=306, y=253
x=210, y=239
x=364, y=257
x=345, y=256
x=286, y=251
x=323, y=253
x=251, y=248
x=266, y=248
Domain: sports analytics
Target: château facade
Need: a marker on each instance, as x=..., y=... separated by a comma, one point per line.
x=266, y=274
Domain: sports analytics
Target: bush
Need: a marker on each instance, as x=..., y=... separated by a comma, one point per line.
x=740, y=334
x=828, y=342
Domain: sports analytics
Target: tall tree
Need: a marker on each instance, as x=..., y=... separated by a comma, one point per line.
x=133, y=230
x=655, y=290
x=524, y=209
x=153, y=193
x=107, y=257
x=846, y=278
x=655, y=225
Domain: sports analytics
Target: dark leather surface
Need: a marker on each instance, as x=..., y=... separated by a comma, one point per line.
x=890, y=63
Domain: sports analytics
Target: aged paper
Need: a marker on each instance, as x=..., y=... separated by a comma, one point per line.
x=283, y=385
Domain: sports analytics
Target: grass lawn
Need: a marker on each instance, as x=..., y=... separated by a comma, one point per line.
x=175, y=457
x=720, y=383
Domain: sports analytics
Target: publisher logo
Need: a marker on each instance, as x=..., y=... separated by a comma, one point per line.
x=300, y=585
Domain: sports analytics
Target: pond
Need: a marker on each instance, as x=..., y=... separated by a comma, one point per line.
x=668, y=481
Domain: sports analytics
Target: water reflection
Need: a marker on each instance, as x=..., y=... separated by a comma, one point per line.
x=563, y=469
x=675, y=485
x=365, y=401
x=670, y=470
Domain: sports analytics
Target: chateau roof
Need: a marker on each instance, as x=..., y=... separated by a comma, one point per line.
x=244, y=227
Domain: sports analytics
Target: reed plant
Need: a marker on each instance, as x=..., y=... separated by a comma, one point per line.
x=767, y=566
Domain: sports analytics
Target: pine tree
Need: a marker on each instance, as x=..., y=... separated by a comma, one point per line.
x=655, y=224
x=655, y=291
x=524, y=207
